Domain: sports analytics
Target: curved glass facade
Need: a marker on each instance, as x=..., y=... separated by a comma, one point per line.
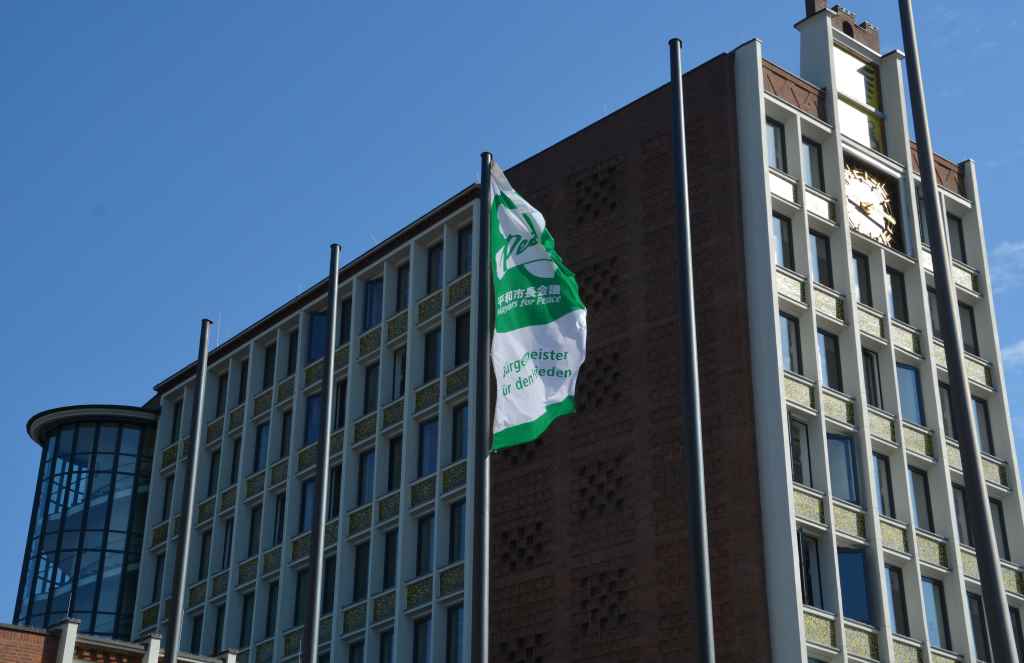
x=85, y=536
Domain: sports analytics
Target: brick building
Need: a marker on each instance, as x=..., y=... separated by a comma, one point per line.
x=836, y=526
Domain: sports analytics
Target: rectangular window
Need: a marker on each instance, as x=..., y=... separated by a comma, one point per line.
x=301, y=605
x=984, y=425
x=883, y=486
x=293, y=351
x=957, y=246
x=214, y=472
x=960, y=513
x=386, y=651
x=316, y=339
x=327, y=590
x=197, y=633
x=460, y=432
x=945, y=399
x=898, y=621
x=464, y=239
x=999, y=525
x=356, y=652
x=158, y=579
x=245, y=632
x=225, y=550
x=278, y=518
x=828, y=355
x=842, y=463
x=898, y=296
x=933, y=314
x=810, y=570
x=979, y=628
x=259, y=451
x=370, y=388
x=394, y=463
x=176, y=420
x=453, y=639
x=456, y=531
x=345, y=321
x=968, y=329
x=431, y=355
x=373, y=307
x=872, y=377
x=203, y=568
x=789, y=331
x=1017, y=624
x=218, y=630
x=364, y=487
x=402, y=288
x=236, y=454
x=340, y=403
x=424, y=545
x=284, y=443
x=855, y=585
x=314, y=404
x=427, y=456
x=222, y=392
x=361, y=572
x=862, y=279
x=165, y=508
x=860, y=99
x=435, y=267
x=334, y=492
x=269, y=359
x=398, y=374
x=936, y=620
x=390, y=559
x=783, y=230
x=243, y=382
x=800, y=452
x=421, y=641
x=921, y=500
x=255, y=523
x=307, y=506
x=821, y=259
x=462, y=339
x=814, y=171
x=776, y=140
x=911, y=405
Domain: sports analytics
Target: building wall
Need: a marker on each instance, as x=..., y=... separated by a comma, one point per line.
x=21, y=644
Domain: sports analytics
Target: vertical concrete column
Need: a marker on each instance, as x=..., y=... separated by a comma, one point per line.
x=229, y=656
x=152, y=654
x=68, y=636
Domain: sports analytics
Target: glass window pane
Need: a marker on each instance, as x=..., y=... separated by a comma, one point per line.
x=897, y=599
x=935, y=612
x=776, y=145
x=800, y=452
x=883, y=486
x=911, y=406
x=921, y=500
x=789, y=332
x=855, y=584
x=843, y=468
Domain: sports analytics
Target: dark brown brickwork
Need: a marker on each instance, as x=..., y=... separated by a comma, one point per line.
x=591, y=557
x=19, y=644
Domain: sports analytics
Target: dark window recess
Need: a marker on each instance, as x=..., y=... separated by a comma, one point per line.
x=800, y=450
x=789, y=329
x=316, y=339
x=936, y=618
x=776, y=145
x=855, y=584
x=821, y=259
x=813, y=168
x=221, y=396
x=340, y=403
x=842, y=462
x=898, y=619
x=364, y=486
x=898, y=296
x=402, y=288
x=883, y=486
x=984, y=426
x=810, y=570
x=460, y=432
x=314, y=405
x=783, y=231
x=371, y=383
x=464, y=239
x=345, y=321
x=373, y=303
x=431, y=355
x=293, y=350
x=979, y=628
x=424, y=545
x=831, y=366
x=269, y=359
x=462, y=339
x=394, y=463
x=921, y=500
x=872, y=378
x=390, y=559
x=427, y=456
x=435, y=267
x=862, y=279
x=243, y=382
x=361, y=572
x=911, y=404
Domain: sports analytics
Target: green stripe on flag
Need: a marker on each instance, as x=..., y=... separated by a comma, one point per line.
x=531, y=430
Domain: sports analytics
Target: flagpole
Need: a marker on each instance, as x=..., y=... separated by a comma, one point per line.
x=311, y=632
x=185, y=539
x=976, y=501
x=691, y=382
x=480, y=584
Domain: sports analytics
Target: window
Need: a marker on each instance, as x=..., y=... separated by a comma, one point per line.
x=340, y=403
x=386, y=650
x=402, y=288
x=158, y=579
x=933, y=314
x=855, y=585
x=828, y=355
x=197, y=633
x=911, y=406
x=236, y=453
x=898, y=296
x=218, y=630
x=453, y=639
x=783, y=230
x=883, y=486
x=960, y=513
x=314, y=410
x=270, y=625
x=821, y=259
x=424, y=545
x=165, y=508
x=398, y=374
x=789, y=331
x=211, y=478
x=1018, y=630
x=999, y=525
x=427, y=457
x=302, y=590
x=225, y=550
x=984, y=425
x=945, y=399
x=345, y=321
x=259, y=451
x=222, y=391
x=462, y=339
x=810, y=570
x=245, y=632
x=862, y=279
x=286, y=434
x=814, y=172
x=921, y=500
x=307, y=506
x=872, y=377
x=278, y=518
x=897, y=596
x=936, y=620
x=334, y=492
x=243, y=382
x=842, y=465
x=421, y=641
x=431, y=355
x=370, y=388
x=776, y=145
x=361, y=572
x=800, y=452
x=860, y=100
x=356, y=652
x=435, y=266
x=979, y=628
x=373, y=303
x=390, y=559
x=203, y=568
x=293, y=350
x=255, y=522
x=327, y=590
x=394, y=463
x=968, y=329
x=456, y=531
x=460, y=432
x=316, y=345
x=957, y=246
x=464, y=239
x=176, y=420
x=269, y=359
x=364, y=488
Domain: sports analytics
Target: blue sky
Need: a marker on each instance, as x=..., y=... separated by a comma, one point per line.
x=162, y=162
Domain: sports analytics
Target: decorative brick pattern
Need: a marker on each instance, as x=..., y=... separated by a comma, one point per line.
x=458, y=379
x=428, y=395
x=791, y=285
x=387, y=506
x=602, y=391
x=603, y=614
x=360, y=519
x=419, y=592
x=398, y=325
x=949, y=175
x=383, y=607
x=599, y=282
x=369, y=342
x=429, y=306
x=794, y=90
x=526, y=648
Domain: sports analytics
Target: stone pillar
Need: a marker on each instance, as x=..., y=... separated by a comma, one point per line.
x=152, y=654
x=68, y=636
x=229, y=656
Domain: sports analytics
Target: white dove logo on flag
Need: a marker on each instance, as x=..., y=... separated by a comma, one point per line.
x=521, y=232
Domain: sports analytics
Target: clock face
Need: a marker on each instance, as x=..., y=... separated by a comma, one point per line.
x=868, y=206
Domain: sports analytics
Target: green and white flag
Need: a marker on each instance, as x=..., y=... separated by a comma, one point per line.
x=540, y=323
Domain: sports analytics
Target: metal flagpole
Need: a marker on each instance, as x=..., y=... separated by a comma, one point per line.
x=311, y=632
x=691, y=384
x=979, y=515
x=184, y=541
x=479, y=588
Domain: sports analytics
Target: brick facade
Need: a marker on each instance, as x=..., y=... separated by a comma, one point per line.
x=20, y=644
